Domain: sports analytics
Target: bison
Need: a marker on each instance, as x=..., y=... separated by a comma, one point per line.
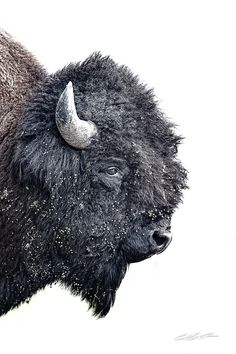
x=89, y=177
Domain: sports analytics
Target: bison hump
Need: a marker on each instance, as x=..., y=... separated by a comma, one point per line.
x=19, y=73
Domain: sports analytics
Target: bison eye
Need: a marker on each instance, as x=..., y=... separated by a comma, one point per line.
x=112, y=171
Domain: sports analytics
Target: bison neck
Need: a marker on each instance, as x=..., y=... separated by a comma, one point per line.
x=25, y=264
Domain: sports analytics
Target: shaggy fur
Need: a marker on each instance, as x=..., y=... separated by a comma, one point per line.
x=63, y=217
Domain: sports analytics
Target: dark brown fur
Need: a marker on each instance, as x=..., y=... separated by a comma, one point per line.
x=19, y=73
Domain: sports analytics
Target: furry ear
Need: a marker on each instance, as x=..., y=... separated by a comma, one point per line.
x=42, y=160
x=40, y=155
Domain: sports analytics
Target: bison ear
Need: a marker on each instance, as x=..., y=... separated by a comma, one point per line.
x=75, y=132
x=40, y=156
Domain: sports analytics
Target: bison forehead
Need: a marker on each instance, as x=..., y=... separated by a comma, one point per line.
x=108, y=94
x=108, y=110
x=122, y=126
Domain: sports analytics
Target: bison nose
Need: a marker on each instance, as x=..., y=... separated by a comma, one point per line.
x=162, y=240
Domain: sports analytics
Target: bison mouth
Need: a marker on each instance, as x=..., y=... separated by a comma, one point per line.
x=146, y=248
x=147, y=242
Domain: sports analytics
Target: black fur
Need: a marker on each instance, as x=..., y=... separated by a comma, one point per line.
x=63, y=217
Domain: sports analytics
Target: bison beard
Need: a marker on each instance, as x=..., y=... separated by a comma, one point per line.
x=98, y=284
x=89, y=177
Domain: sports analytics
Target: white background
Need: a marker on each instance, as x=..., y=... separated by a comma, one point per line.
x=186, y=51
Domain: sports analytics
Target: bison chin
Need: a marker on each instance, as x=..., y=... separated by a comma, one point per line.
x=97, y=283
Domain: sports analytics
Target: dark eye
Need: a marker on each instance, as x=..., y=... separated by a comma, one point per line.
x=112, y=171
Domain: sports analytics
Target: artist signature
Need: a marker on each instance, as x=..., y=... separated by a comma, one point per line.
x=197, y=335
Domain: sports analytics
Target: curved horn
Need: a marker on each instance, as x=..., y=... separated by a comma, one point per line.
x=75, y=132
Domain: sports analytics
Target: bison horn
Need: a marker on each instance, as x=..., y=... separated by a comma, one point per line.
x=75, y=132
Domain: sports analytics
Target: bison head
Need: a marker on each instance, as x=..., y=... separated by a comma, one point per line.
x=97, y=179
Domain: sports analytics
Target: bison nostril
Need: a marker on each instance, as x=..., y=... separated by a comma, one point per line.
x=161, y=240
